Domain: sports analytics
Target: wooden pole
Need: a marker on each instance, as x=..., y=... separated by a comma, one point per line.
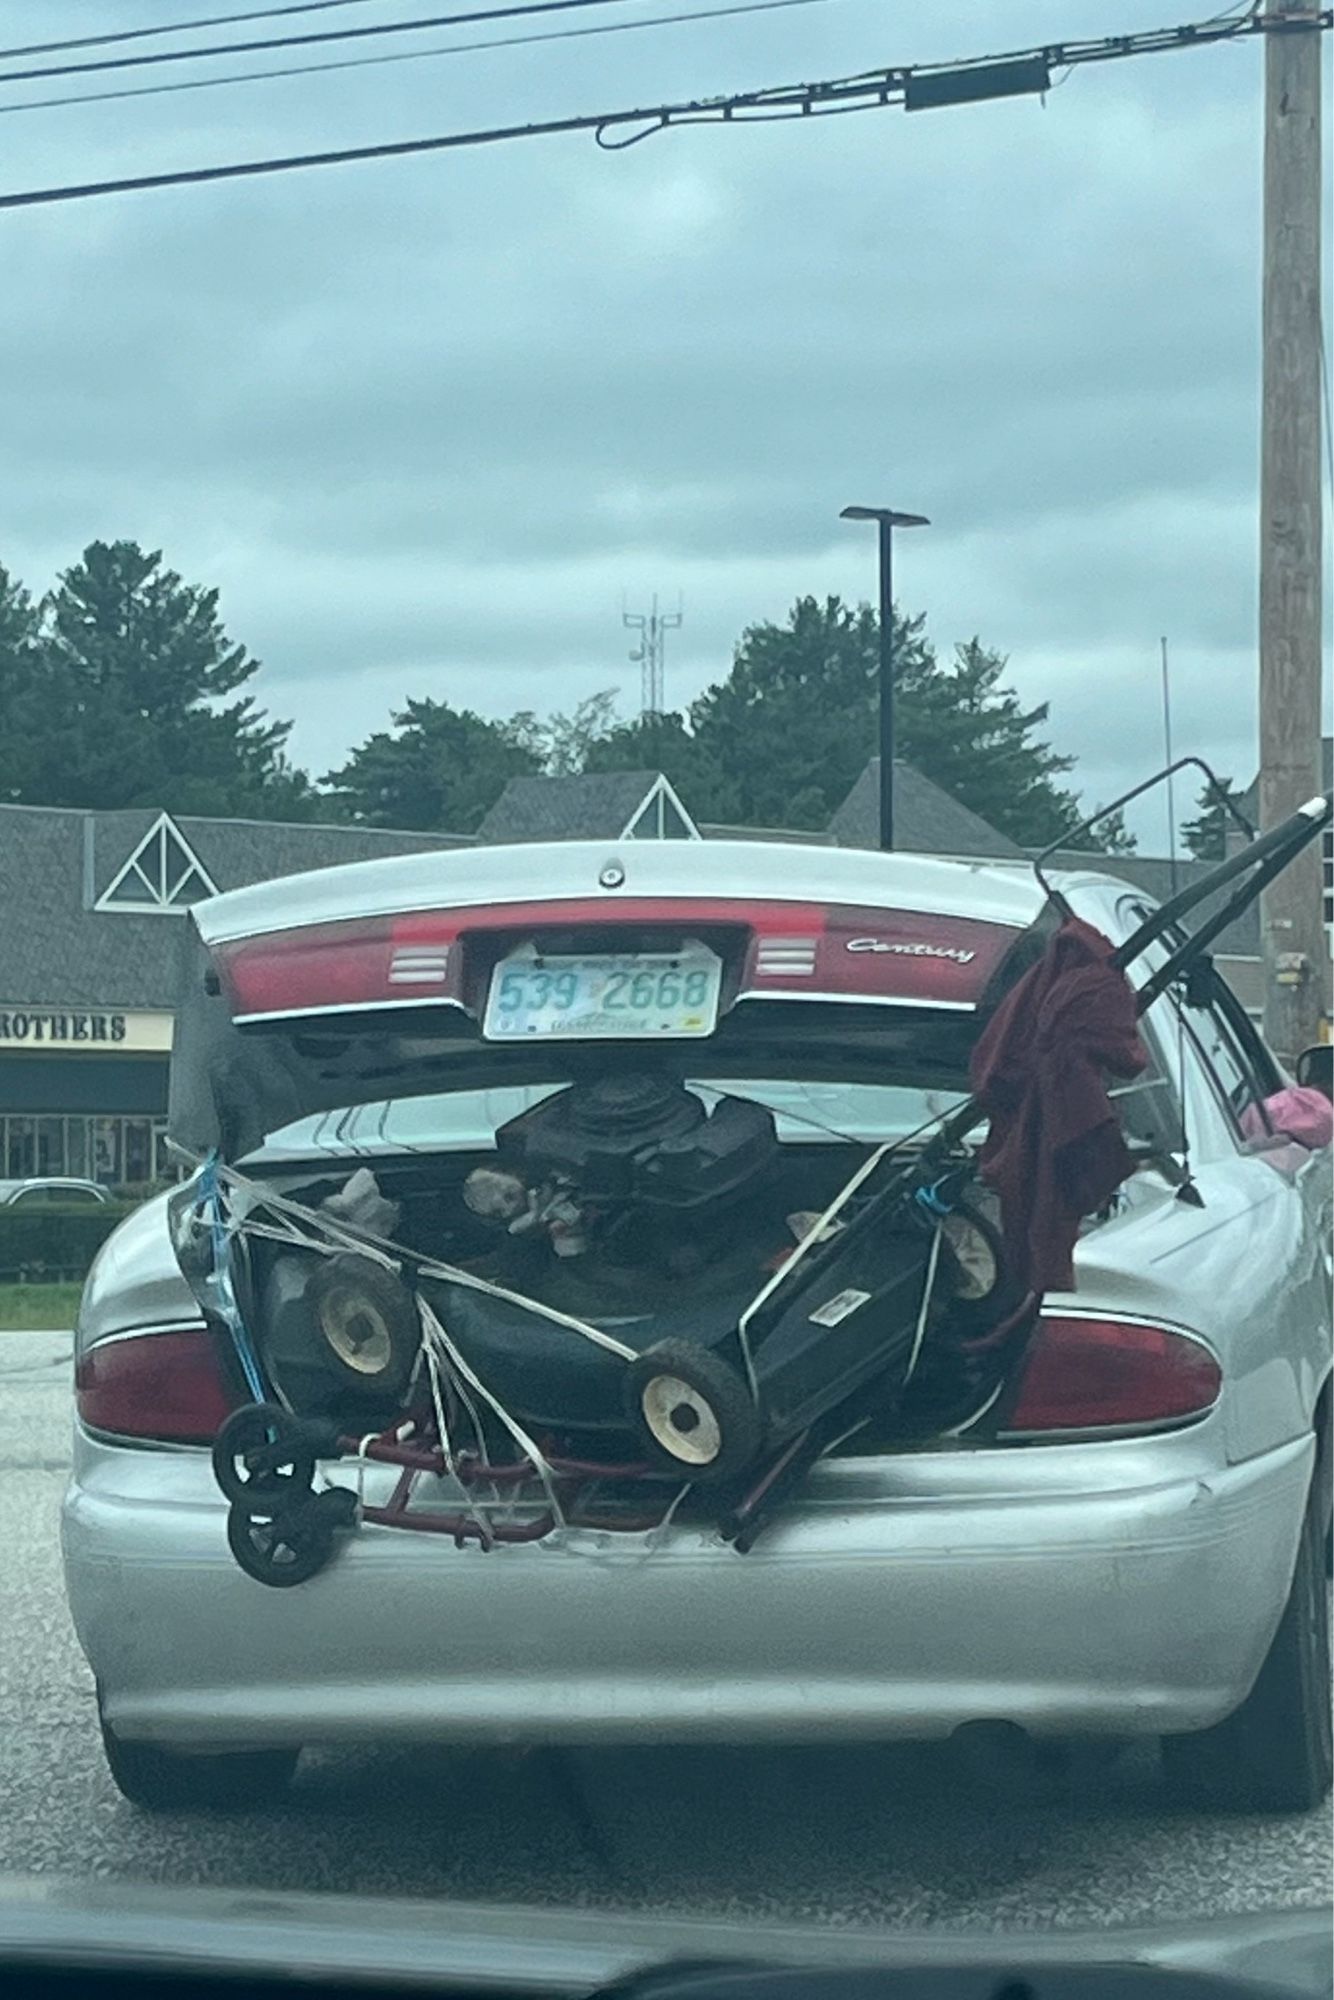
x=1296, y=953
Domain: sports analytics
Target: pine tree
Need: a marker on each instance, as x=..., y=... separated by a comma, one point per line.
x=21, y=722
x=136, y=672
x=438, y=767
x=1206, y=835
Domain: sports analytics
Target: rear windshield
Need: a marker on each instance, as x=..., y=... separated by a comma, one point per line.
x=467, y=1120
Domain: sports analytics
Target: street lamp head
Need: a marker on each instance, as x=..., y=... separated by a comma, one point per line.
x=888, y=514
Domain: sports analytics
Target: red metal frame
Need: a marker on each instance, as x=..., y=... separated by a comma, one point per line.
x=572, y=1475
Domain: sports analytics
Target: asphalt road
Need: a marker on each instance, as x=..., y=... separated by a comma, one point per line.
x=909, y=1838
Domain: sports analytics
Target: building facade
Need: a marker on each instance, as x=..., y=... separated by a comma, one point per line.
x=92, y=909
x=91, y=922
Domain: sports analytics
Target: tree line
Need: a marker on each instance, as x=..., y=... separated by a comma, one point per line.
x=121, y=688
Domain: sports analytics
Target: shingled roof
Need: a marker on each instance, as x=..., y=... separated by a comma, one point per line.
x=926, y=819
x=596, y=805
x=56, y=862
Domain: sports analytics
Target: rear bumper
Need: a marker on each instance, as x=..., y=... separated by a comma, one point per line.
x=909, y=1596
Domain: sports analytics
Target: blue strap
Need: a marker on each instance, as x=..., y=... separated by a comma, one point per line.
x=211, y=1206
x=933, y=1201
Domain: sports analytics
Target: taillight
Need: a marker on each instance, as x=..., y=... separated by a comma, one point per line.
x=1094, y=1374
x=163, y=1385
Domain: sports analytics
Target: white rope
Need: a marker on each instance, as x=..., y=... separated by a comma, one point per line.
x=807, y=1243
x=393, y=1255
x=378, y=1249
x=652, y=1538
x=667, y=1519
x=363, y=1450
x=438, y=1401
x=291, y=1238
x=434, y=1331
x=503, y=1501
x=451, y=1274
x=957, y=1430
x=816, y=1233
x=927, y=1289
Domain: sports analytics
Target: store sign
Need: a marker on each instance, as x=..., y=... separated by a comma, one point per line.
x=98, y=1031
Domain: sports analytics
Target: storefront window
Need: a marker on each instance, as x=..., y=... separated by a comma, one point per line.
x=20, y=1148
x=138, y=1153
x=113, y=1150
x=76, y=1147
x=106, y=1149
x=50, y=1146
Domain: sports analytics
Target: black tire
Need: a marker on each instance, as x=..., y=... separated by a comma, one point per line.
x=1274, y=1753
x=724, y=1432
x=288, y=1547
x=162, y=1780
x=260, y=1454
x=364, y=1327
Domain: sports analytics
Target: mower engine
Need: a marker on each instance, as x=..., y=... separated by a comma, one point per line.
x=656, y=1289
x=631, y=1173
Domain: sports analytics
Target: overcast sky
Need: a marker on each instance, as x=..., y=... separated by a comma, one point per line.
x=426, y=422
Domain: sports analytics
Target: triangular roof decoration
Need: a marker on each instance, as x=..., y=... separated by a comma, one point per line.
x=661, y=816
x=162, y=873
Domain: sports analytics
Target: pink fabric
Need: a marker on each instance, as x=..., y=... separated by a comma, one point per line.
x=1303, y=1113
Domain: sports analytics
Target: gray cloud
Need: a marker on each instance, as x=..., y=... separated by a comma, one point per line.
x=426, y=423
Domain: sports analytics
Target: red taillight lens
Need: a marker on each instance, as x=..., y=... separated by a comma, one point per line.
x=153, y=1385
x=1104, y=1374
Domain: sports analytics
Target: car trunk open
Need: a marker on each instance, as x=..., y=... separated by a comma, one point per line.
x=666, y=1249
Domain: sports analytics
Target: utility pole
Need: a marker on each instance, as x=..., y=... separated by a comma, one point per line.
x=649, y=653
x=1296, y=954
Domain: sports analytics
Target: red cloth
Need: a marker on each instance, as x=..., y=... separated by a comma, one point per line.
x=1054, y=1152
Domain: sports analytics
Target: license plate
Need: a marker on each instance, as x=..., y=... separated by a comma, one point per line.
x=604, y=999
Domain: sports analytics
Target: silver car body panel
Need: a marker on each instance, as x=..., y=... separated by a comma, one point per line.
x=1120, y=1588
x=474, y=878
x=1125, y=1586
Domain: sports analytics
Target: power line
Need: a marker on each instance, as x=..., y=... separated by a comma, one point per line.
x=405, y=55
x=915, y=87
x=175, y=28
x=261, y=46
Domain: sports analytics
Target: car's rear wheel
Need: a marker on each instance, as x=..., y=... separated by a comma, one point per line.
x=163, y=1780
x=1274, y=1754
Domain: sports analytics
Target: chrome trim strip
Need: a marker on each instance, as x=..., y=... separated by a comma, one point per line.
x=863, y=1000
x=350, y=1007
x=750, y=993
x=181, y=1325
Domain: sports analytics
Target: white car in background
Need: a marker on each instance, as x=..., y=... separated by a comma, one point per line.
x=52, y=1191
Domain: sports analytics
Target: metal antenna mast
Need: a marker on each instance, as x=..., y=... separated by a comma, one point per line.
x=652, y=627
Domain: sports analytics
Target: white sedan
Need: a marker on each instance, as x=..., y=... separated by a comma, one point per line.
x=52, y=1191
x=497, y=1145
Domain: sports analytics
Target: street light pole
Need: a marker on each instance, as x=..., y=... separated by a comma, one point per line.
x=886, y=520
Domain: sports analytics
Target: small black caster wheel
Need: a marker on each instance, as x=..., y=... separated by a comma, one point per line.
x=260, y=1454
x=693, y=1412
x=285, y=1547
x=337, y=1505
